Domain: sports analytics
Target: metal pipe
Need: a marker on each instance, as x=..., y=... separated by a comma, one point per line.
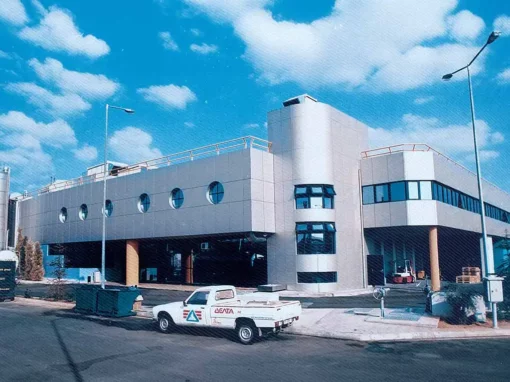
x=103, y=211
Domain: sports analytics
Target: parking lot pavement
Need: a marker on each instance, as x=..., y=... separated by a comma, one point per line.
x=408, y=297
x=39, y=343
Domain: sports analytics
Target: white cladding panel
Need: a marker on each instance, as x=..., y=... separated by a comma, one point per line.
x=247, y=205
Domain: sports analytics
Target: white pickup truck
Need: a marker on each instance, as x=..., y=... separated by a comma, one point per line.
x=250, y=315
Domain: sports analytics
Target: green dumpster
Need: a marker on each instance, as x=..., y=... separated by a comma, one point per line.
x=86, y=299
x=116, y=302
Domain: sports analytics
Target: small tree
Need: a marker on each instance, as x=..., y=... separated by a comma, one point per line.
x=37, y=269
x=29, y=256
x=21, y=243
x=59, y=273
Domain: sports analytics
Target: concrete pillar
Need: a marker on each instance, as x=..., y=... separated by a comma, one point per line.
x=434, y=259
x=132, y=263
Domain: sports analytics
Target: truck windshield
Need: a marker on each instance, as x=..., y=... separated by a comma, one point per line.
x=199, y=298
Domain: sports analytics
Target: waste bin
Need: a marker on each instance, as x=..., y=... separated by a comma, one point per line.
x=86, y=299
x=117, y=302
x=7, y=280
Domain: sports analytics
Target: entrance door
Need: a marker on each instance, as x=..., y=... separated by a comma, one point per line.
x=375, y=268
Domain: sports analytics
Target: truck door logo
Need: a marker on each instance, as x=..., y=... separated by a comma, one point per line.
x=224, y=310
x=192, y=316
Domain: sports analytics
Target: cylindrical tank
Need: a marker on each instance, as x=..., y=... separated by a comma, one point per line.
x=4, y=205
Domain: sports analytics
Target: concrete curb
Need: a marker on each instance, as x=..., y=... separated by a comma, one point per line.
x=414, y=336
x=42, y=302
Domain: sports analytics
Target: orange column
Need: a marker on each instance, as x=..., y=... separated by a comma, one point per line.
x=434, y=260
x=188, y=267
x=132, y=263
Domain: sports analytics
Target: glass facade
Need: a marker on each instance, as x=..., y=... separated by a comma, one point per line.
x=316, y=277
x=315, y=238
x=314, y=196
x=429, y=190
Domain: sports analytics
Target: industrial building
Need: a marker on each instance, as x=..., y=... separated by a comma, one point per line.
x=311, y=207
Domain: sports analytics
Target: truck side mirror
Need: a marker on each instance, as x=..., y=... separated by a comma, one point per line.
x=184, y=303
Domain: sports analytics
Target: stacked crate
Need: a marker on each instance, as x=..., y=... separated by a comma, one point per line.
x=470, y=275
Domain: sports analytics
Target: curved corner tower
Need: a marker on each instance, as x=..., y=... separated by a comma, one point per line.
x=318, y=245
x=4, y=205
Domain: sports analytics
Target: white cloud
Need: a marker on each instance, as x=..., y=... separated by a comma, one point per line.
x=465, y=25
x=22, y=146
x=168, y=41
x=86, y=153
x=56, y=134
x=375, y=45
x=424, y=65
x=189, y=124
x=88, y=85
x=51, y=103
x=172, y=96
x=203, y=48
x=251, y=126
x=423, y=100
x=13, y=12
x=455, y=140
x=504, y=76
x=483, y=155
x=133, y=145
x=502, y=24
x=4, y=55
x=58, y=32
x=196, y=32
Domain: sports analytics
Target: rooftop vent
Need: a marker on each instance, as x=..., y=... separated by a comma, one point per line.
x=298, y=99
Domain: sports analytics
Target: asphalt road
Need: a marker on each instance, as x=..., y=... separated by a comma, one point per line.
x=398, y=297
x=42, y=344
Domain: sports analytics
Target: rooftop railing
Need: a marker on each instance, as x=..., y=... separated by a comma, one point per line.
x=168, y=160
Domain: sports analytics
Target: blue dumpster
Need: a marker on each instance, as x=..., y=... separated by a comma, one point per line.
x=117, y=302
x=86, y=299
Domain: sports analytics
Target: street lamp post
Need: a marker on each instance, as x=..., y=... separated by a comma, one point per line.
x=105, y=175
x=487, y=263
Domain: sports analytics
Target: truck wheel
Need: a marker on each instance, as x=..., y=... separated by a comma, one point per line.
x=165, y=323
x=246, y=333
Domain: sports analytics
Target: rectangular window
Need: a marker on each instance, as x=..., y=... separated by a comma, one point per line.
x=412, y=191
x=302, y=202
x=315, y=202
x=398, y=191
x=382, y=193
x=426, y=190
x=368, y=195
x=439, y=192
x=317, y=277
x=314, y=196
x=315, y=238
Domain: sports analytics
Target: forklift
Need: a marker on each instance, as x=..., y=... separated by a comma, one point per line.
x=404, y=274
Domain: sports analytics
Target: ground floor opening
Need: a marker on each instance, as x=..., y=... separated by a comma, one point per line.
x=239, y=259
x=398, y=248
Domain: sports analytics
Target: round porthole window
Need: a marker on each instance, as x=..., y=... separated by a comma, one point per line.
x=144, y=202
x=83, y=212
x=108, y=208
x=176, y=198
x=215, y=192
x=62, y=216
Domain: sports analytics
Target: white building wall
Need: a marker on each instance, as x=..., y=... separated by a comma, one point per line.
x=314, y=143
x=247, y=206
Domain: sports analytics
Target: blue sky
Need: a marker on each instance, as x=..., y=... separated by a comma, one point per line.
x=198, y=72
